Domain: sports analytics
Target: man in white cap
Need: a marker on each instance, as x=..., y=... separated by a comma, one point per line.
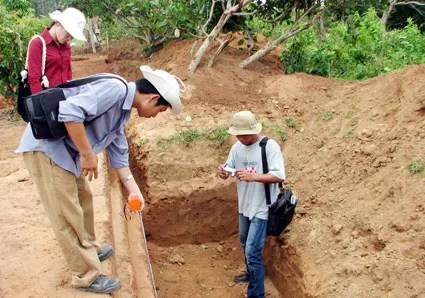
x=245, y=163
x=94, y=116
x=49, y=54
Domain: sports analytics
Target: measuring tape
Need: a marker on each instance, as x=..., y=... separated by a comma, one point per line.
x=147, y=253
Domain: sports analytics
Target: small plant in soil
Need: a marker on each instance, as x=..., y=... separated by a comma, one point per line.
x=189, y=135
x=218, y=136
x=326, y=115
x=143, y=142
x=291, y=123
x=417, y=166
x=281, y=131
x=348, y=134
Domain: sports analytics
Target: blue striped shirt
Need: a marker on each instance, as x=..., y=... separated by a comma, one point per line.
x=105, y=97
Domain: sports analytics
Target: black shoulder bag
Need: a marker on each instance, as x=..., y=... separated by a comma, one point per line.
x=282, y=210
x=43, y=108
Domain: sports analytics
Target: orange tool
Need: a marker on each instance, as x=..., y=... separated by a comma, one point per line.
x=134, y=203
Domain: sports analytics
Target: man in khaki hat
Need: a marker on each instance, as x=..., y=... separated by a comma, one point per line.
x=94, y=116
x=245, y=163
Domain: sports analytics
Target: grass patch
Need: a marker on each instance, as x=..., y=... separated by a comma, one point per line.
x=189, y=135
x=326, y=115
x=348, y=134
x=218, y=136
x=143, y=142
x=281, y=132
x=291, y=123
x=417, y=166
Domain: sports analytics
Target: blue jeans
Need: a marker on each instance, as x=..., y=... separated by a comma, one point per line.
x=252, y=234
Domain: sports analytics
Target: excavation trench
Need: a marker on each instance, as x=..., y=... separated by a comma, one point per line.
x=193, y=243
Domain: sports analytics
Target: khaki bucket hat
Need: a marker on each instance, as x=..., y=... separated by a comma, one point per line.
x=167, y=85
x=244, y=123
x=72, y=20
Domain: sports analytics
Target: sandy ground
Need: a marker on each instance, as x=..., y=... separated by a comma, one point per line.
x=360, y=227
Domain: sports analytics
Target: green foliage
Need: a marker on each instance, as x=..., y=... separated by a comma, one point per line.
x=143, y=142
x=116, y=30
x=291, y=123
x=15, y=32
x=281, y=132
x=185, y=137
x=417, y=166
x=20, y=7
x=326, y=115
x=358, y=50
x=218, y=136
x=189, y=135
x=348, y=134
x=152, y=22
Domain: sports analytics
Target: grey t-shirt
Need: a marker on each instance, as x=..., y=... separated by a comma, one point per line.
x=251, y=195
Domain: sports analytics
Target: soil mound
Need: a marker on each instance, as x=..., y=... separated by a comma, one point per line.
x=360, y=224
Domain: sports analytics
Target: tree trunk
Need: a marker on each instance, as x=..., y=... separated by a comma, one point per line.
x=271, y=46
x=219, y=50
x=211, y=37
x=387, y=13
x=92, y=37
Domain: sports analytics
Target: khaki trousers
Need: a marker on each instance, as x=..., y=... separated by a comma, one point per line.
x=68, y=203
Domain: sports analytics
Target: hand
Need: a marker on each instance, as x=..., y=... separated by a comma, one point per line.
x=135, y=202
x=222, y=173
x=88, y=164
x=245, y=175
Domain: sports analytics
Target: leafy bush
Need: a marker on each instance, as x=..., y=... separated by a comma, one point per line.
x=20, y=7
x=153, y=23
x=357, y=50
x=15, y=32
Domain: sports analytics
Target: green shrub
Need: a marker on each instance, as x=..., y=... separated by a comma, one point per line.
x=356, y=50
x=15, y=32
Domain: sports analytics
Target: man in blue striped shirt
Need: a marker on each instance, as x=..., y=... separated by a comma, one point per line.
x=59, y=167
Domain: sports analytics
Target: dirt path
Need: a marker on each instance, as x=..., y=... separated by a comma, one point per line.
x=31, y=264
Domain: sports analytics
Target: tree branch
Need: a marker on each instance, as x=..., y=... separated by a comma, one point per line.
x=410, y=2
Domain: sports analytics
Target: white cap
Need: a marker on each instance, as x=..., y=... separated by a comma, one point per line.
x=167, y=85
x=72, y=20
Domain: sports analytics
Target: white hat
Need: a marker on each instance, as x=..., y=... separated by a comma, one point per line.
x=167, y=85
x=244, y=123
x=72, y=20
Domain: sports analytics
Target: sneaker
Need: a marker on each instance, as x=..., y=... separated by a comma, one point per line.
x=105, y=252
x=244, y=277
x=103, y=284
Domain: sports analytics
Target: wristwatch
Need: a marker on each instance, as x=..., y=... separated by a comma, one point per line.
x=128, y=178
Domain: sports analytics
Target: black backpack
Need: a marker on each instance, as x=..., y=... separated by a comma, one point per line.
x=42, y=108
x=282, y=210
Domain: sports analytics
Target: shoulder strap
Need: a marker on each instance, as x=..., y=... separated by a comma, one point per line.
x=90, y=79
x=44, y=80
x=263, y=144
